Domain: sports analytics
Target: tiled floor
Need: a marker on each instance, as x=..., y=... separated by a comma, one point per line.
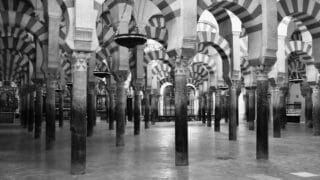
x=151, y=155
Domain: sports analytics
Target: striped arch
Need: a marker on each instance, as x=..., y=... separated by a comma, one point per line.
x=207, y=26
x=170, y=8
x=156, y=33
x=304, y=11
x=18, y=45
x=300, y=48
x=249, y=12
x=14, y=32
x=222, y=47
x=107, y=6
x=104, y=28
x=24, y=21
x=198, y=72
x=157, y=20
x=208, y=62
x=11, y=63
x=14, y=5
x=296, y=36
x=161, y=71
x=156, y=55
x=66, y=67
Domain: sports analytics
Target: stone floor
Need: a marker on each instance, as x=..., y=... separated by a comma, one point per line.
x=151, y=155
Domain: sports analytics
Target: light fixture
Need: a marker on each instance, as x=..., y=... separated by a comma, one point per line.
x=135, y=37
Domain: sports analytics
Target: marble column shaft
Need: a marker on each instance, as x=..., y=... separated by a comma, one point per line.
x=137, y=112
x=120, y=113
x=112, y=107
x=217, y=110
x=276, y=112
x=91, y=108
x=79, y=112
x=61, y=94
x=181, y=122
x=233, y=109
x=38, y=111
x=209, y=106
x=147, y=109
x=316, y=110
x=251, y=106
x=50, y=112
x=262, y=150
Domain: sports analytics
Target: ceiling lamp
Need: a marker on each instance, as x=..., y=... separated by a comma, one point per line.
x=100, y=74
x=135, y=37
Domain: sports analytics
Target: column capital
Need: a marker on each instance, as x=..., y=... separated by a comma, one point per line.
x=120, y=75
x=138, y=84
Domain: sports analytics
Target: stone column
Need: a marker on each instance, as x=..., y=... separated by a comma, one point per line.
x=262, y=118
x=181, y=122
x=209, y=111
x=251, y=91
x=61, y=94
x=129, y=108
x=112, y=106
x=233, y=109
x=91, y=107
x=203, y=107
x=31, y=108
x=276, y=95
x=38, y=109
x=308, y=107
x=316, y=109
x=79, y=112
x=138, y=87
x=50, y=112
x=120, y=77
x=217, y=110
x=147, y=108
x=27, y=109
x=226, y=106
x=154, y=107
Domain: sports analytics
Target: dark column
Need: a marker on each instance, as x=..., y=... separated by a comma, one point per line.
x=91, y=107
x=246, y=100
x=147, y=108
x=22, y=106
x=226, y=106
x=209, y=111
x=251, y=91
x=316, y=110
x=112, y=106
x=203, y=108
x=262, y=117
x=129, y=108
x=200, y=108
x=181, y=122
x=27, y=117
x=31, y=109
x=120, y=113
x=137, y=112
x=233, y=109
x=78, y=112
x=217, y=110
x=154, y=107
x=50, y=112
x=276, y=112
x=38, y=110
x=308, y=106
x=60, y=108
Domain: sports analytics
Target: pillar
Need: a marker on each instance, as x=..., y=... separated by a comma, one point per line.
x=50, y=112
x=120, y=77
x=316, y=109
x=154, y=107
x=217, y=110
x=262, y=116
x=147, y=108
x=129, y=108
x=112, y=107
x=137, y=108
x=276, y=95
x=251, y=91
x=307, y=91
x=233, y=109
x=181, y=122
x=209, y=111
x=203, y=107
x=31, y=108
x=78, y=112
x=60, y=108
x=91, y=108
x=38, y=109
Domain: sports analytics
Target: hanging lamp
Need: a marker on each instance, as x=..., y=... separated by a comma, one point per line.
x=100, y=74
x=135, y=37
